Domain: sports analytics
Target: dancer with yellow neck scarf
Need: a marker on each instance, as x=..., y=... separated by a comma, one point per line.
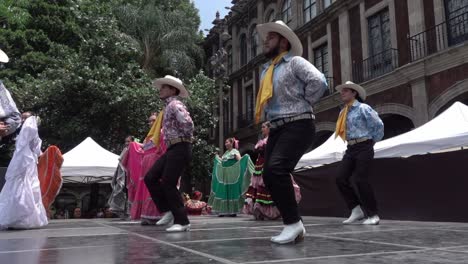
x=290, y=86
x=361, y=127
x=162, y=177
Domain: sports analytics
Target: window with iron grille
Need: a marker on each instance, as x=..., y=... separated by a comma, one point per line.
x=243, y=49
x=456, y=12
x=286, y=11
x=310, y=10
x=321, y=59
x=380, y=53
x=253, y=42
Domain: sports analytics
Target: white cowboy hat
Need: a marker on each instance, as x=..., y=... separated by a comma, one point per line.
x=359, y=89
x=174, y=82
x=281, y=28
x=3, y=56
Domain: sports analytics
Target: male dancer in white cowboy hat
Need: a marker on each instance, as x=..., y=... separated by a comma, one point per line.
x=361, y=127
x=162, y=178
x=290, y=86
x=10, y=120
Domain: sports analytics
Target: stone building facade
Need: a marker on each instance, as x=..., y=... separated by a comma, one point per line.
x=410, y=56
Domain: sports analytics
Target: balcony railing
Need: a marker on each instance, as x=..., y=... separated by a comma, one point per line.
x=439, y=37
x=375, y=66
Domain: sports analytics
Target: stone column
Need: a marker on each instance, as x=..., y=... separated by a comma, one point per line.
x=418, y=90
x=330, y=50
x=260, y=7
x=235, y=49
x=235, y=109
x=439, y=11
x=345, y=46
x=439, y=17
x=416, y=16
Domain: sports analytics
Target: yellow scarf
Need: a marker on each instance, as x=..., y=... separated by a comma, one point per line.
x=266, y=88
x=155, y=131
x=341, y=123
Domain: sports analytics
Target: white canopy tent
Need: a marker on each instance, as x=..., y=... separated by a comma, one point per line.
x=330, y=151
x=448, y=130
x=89, y=163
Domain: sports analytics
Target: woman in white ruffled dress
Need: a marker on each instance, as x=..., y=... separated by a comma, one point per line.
x=20, y=199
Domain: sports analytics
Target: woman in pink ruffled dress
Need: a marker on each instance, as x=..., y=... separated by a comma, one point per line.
x=139, y=160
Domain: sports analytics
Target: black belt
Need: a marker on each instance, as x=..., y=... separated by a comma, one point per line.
x=357, y=140
x=173, y=141
x=282, y=121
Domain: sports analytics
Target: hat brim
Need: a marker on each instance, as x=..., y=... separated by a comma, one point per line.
x=359, y=89
x=161, y=81
x=296, y=45
x=3, y=57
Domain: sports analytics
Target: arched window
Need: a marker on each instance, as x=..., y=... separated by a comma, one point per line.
x=243, y=49
x=286, y=11
x=253, y=41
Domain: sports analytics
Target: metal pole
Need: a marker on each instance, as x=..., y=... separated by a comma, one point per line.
x=221, y=93
x=217, y=62
x=221, y=117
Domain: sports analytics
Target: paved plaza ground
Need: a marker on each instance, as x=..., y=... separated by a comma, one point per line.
x=235, y=240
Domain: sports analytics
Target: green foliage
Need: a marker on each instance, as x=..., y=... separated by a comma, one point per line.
x=73, y=66
x=166, y=33
x=13, y=13
x=84, y=69
x=203, y=96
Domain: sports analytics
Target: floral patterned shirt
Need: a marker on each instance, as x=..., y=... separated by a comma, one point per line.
x=297, y=86
x=177, y=122
x=363, y=122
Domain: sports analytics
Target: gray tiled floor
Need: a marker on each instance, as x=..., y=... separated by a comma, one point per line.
x=236, y=240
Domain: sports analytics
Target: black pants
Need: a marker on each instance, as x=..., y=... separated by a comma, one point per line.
x=162, y=179
x=356, y=162
x=284, y=149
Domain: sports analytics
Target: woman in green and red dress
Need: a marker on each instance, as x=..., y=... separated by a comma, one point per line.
x=230, y=180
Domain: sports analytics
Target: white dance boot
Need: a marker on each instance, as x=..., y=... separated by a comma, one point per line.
x=166, y=219
x=291, y=233
x=373, y=220
x=178, y=228
x=356, y=215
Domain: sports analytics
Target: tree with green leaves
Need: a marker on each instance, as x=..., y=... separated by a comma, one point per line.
x=167, y=35
x=71, y=64
x=75, y=63
x=203, y=96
